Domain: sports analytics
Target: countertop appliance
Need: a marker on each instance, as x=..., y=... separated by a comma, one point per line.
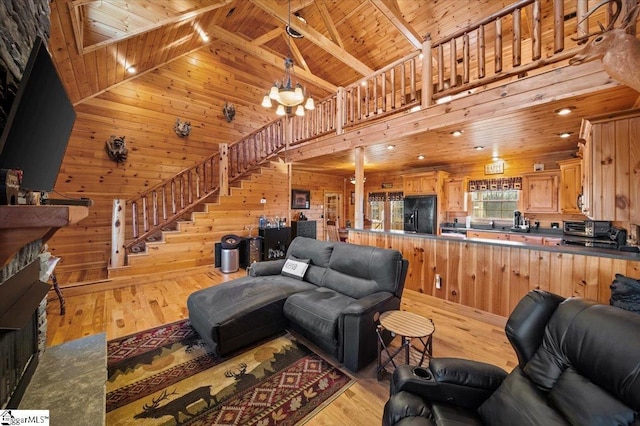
x=594, y=233
x=420, y=214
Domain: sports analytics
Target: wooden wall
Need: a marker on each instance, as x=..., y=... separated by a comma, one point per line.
x=494, y=278
x=143, y=110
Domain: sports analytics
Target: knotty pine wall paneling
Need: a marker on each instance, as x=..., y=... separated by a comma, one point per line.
x=494, y=278
x=318, y=184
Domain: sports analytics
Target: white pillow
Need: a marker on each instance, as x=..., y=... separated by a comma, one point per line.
x=295, y=268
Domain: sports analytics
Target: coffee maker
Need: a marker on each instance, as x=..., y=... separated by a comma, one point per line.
x=517, y=219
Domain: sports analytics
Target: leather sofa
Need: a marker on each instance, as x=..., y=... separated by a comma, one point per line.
x=333, y=304
x=578, y=364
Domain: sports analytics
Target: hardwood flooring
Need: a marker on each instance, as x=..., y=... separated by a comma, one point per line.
x=125, y=306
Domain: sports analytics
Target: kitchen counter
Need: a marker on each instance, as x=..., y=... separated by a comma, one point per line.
x=553, y=233
x=543, y=232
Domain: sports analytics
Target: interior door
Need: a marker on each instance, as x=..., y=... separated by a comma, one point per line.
x=332, y=209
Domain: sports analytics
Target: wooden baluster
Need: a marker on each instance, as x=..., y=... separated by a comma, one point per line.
x=498, y=45
x=164, y=202
x=403, y=82
x=145, y=214
x=558, y=26
x=412, y=70
x=394, y=90
x=198, y=176
x=174, y=207
x=482, y=69
x=440, y=68
x=536, y=32
x=358, y=116
x=465, y=58
x=383, y=90
x=189, y=186
x=134, y=219
x=181, y=189
x=517, y=38
x=154, y=207
x=453, y=64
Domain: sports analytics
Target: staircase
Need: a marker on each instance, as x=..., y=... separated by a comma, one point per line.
x=191, y=242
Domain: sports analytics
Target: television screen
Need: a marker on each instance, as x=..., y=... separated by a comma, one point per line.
x=39, y=124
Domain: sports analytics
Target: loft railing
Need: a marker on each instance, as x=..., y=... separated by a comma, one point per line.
x=479, y=55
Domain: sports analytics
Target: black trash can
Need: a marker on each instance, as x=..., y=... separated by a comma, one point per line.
x=229, y=254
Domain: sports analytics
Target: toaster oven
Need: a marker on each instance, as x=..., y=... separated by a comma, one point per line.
x=573, y=227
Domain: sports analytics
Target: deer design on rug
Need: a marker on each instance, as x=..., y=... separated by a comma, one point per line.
x=618, y=50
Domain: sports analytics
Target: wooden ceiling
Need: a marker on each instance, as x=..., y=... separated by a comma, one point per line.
x=94, y=42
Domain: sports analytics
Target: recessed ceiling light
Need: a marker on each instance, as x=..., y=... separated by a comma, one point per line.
x=478, y=147
x=420, y=157
x=565, y=134
x=391, y=147
x=457, y=133
x=131, y=69
x=565, y=110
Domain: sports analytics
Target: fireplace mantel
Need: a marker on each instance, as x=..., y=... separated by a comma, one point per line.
x=22, y=224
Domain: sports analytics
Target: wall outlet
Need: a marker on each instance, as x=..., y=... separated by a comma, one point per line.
x=438, y=282
x=263, y=201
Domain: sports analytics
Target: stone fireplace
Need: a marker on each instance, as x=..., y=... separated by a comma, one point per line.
x=22, y=297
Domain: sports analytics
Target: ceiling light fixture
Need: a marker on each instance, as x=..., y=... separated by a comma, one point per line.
x=288, y=93
x=420, y=157
x=478, y=147
x=131, y=69
x=391, y=147
x=565, y=134
x=565, y=110
x=457, y=133
x=352, y=179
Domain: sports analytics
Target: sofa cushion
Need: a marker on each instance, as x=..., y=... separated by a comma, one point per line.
x=358, y=271
x=295, y=268
x=519, y=402
x=318, y=252
x=584, y=403
x=317, y=313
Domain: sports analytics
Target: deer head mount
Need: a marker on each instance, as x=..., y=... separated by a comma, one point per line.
x=618, y=50
x=229, y=111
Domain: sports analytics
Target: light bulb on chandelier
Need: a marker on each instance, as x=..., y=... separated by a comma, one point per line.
x=287, y=94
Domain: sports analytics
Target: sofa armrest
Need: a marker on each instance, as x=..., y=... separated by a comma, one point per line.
x=269, y=267
x=460, y=382
x=367, y=303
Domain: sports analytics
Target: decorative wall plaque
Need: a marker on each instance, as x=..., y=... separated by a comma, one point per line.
x=494, y=168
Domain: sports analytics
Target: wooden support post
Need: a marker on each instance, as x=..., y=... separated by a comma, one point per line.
x=427, y=73
x=359, y=204
x=117, y=233
x=224, y=169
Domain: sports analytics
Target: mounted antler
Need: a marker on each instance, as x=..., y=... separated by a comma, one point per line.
x=618, y=50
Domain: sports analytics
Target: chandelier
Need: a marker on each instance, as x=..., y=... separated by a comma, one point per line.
x=287, y=93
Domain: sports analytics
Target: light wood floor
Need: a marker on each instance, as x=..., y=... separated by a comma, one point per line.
x=126, y=306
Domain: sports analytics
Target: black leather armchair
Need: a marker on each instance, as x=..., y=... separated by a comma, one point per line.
x=578, y=364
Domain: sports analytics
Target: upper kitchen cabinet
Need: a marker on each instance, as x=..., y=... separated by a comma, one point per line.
x=454, y=194
x=540, y=192
x=427, y=183
x=571, y=186
x=611, y=167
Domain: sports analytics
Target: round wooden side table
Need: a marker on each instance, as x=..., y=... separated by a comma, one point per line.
x=408, y=326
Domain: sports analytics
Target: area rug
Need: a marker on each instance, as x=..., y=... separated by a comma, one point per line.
x=166, y=376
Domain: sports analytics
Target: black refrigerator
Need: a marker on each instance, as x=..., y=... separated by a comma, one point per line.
x=420, y=214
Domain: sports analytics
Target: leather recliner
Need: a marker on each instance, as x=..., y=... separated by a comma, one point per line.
x=578, y=364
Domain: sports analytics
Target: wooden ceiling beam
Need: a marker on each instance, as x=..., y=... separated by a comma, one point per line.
x=276, y=32
x=315, y=37
x=393, y=14
x=328, y=23
x=270, y=58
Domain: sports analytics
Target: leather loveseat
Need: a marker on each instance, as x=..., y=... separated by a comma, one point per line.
x=578, y=364
x=333, y=303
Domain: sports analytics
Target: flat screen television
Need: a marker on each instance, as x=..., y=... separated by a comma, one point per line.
x=39, y=124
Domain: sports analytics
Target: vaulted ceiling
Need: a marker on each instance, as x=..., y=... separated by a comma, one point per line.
x=95, y=44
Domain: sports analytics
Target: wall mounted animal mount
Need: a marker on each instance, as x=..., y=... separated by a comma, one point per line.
x=229, y=111
x=618, y=50
x=182, y=128
x=117, y=149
